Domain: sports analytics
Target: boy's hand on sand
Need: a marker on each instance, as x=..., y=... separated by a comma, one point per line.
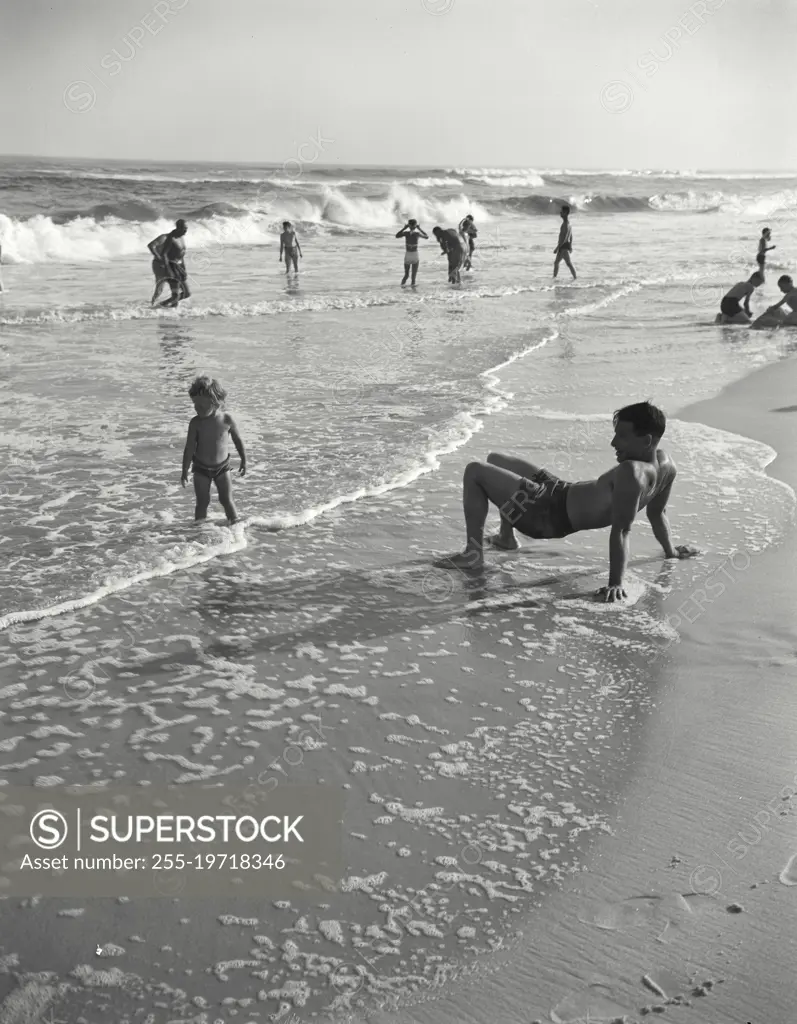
x=612, y=594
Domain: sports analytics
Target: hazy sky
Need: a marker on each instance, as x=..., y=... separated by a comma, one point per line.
x=441, y=83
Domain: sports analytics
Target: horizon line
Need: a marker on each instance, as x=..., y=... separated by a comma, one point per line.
x=431, y=165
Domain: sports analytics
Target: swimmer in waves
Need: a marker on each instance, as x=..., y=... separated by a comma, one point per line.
x=539, y=505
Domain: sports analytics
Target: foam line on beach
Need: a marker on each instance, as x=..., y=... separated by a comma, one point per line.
x=459, y=432
x=465, y=425
x=235, y=542
x=268, y=308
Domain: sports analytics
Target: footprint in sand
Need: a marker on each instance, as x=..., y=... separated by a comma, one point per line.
x=788, y=875
x=596, y=1004
x=665, y=912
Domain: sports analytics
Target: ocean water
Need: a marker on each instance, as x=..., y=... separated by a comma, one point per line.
x=342, y=382
x=349, y=392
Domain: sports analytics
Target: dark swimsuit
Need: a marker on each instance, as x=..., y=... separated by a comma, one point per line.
x=539, y=507
x=211, y=472
x=730, y=306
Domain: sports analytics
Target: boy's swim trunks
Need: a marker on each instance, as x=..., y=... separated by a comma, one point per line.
x=539, y=507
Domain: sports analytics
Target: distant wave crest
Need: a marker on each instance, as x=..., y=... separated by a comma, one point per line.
x=108, y=230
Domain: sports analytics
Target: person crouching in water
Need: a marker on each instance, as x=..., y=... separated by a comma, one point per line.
x=451, y=243
x=777, y=317
x=207, y=448
x=730, y=310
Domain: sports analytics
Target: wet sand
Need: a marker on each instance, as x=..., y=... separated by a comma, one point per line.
x=689, y=906
x=465, y=704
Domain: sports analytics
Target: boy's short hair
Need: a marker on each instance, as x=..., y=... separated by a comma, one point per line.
x=286, y=223
x=757, y=276
x=644, y=418
x=566, y=209
x=765, y=231
x=208, y=386
x=785, y=281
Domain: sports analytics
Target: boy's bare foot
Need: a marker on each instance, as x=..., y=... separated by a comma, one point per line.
x=467, y=560
x=498, y=542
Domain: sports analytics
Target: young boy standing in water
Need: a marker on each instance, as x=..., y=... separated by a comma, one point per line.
x=764, y=248
x=207, y=448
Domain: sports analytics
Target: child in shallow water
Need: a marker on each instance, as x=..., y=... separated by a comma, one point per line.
x=207, y=448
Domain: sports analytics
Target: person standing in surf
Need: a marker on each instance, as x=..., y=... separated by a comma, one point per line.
x=411, y=232
x=565, y=244
x=207, y=448
x=168, y=264
x=468, y=231
x=452, y=244
x=289, y=244
x=764, y=248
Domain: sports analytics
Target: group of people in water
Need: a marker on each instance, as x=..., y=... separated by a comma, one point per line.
x=735, y=305
x=458, y=244
x=529, y=499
